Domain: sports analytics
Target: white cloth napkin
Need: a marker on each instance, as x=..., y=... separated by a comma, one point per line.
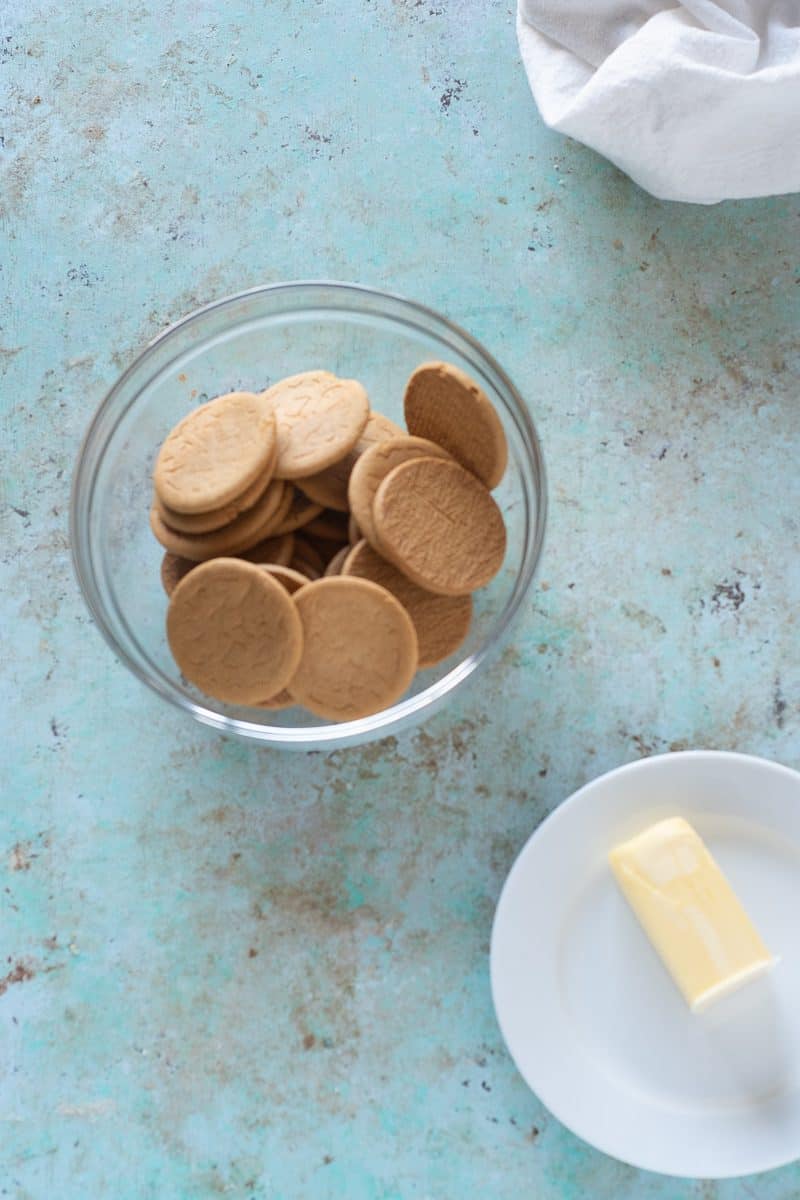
x=696, y=101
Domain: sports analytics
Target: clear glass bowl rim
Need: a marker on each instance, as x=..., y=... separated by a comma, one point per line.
x=406, y=712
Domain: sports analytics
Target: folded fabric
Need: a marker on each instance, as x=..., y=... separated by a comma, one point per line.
x=696, y=101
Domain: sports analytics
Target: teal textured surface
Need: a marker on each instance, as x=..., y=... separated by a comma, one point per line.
x=231, y=972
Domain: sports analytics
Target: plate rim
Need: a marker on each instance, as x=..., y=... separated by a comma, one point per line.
x=552, y=819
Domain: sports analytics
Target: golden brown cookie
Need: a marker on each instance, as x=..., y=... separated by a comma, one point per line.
x=328, y=526
x=234, y=631
x=215, y=453
x=301, y=510
x=354, y=534
x=207, y=522
x=334, y=567
x=248, y=529
x=359, y=649
x=440, y=525
x=173, y=569
x=319, y=419
x=443, y=404
x=291, y=580
x=329, y=487
x=441, y=622
x=373, y=467
x=275, y=551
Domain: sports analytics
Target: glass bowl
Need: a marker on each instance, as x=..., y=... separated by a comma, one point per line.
x=246, y=342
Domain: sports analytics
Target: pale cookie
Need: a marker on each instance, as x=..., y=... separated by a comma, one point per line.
x=329, y=487
x=441, y=622
x=248, y=529
x=301, y=511
x=319, y=419
x=373, y=467
x=275, y=551
x=218, y=518
x=359, y=649
x=291, y=580
x=328, y=526
x=443, y=404
x=215, y=453
x=234, y=631
x=173, y=569
x=441, y=527
x=334, y=567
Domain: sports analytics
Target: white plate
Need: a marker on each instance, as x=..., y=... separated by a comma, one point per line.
x=592, y=1019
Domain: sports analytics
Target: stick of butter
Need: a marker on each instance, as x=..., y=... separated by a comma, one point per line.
x=689, y=911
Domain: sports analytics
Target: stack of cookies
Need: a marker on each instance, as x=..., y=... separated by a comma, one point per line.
x=317, y=554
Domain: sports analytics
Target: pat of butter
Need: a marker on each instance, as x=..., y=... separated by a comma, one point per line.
x=689, y=911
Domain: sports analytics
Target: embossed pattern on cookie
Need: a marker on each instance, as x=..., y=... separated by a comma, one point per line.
x=217, y=518
x=439, y=524
x=359, y=649
x=319, y=418
x=329, y=487
x=215, y=453
x=373, y=467
x=444, y=404
x=234, y=631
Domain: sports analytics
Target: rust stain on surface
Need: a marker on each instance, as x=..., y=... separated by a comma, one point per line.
x=19, y=973
x=20, y=857
x=727, y=595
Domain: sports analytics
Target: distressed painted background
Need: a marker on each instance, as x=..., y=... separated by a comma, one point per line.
x=227, y=972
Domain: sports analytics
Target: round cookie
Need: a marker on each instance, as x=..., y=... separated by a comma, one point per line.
x=441, y=527
x=173, y=569
x=373, y=467
x=290, y=579
x=319, y=419
x=359, y=649
x=354, y=534
x=329, y=487
x=301, y=510
x=443, y=404
x=207, y=522
x=248, y=529
x=215, y=453
x=441, y=622
x=334, y=567
x=234, y=631
x=272, y=551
